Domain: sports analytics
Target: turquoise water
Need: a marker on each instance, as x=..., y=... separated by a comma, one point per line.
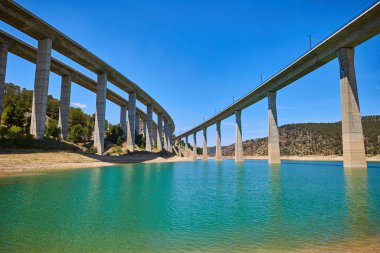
x=194, y=206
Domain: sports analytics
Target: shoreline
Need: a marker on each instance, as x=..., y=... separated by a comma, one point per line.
x=36, y=162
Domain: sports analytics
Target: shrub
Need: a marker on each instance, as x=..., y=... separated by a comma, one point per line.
x=140, y=140
x=115, y=134
x=52, y=131
x=92, y=150
x=15, y=137
x=13, y=116
x=119, y=141
x=118, y=150
x=76, y=133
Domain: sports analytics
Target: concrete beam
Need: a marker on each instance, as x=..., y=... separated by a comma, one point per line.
x=22, y=19
x=3, y=68
x=123, y=119
x=159, y=132
x=195, y=155
x=186, y=146
x=131, y=122
x=149, y=129
x=204, y=150
x=64, y=106
x=357, y=31
x=41, y=86
x=273, y=137
x=218, y=151
x=352, y=131
x=100, y=115
x=238, y=138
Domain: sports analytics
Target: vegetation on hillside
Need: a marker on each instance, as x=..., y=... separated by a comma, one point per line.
x=17, y=109
x=313, y=139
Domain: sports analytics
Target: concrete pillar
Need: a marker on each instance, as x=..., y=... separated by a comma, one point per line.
x=159, y=132
x=169, y=137
x=41, y=86
x=352, y=131
x=238, y=138
x=179, y=148
x=149, y=129
x=123, y=119
x=100, y=115
x=64, y=106
x=273, y=137
x=204, y=150
x=164, y=135
x=144, y=128
x=195, y=155
x=3, y=68
x=137, y=123
x=186, y=146
x=154, y=133
x=218, y=151
x=131, y=122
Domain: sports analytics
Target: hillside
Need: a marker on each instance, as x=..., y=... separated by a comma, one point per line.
x=313, y=139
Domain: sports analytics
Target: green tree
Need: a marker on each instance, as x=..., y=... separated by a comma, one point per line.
x=52, y=130
x=52, y=109
x=115, y=134
x=77, y=116
x=13, y=116
x=140, y=140
x=76, y=133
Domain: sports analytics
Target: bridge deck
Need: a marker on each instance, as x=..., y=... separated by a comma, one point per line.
x=20, y=18
x=360, y=29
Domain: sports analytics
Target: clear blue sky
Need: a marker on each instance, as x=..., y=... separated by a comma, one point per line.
x=194, y=56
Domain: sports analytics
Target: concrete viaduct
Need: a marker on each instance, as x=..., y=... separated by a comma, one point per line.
x=339, y=45
x=50, y=38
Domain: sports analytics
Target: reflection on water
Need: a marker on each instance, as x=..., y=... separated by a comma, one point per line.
x=356, y=182
x=198, y=206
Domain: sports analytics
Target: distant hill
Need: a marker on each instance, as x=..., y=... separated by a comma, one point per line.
x=312, y=139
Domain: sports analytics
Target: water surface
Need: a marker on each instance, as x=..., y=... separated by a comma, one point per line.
x=194, y=206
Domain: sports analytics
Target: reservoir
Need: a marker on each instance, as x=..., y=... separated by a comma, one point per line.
x=203, y=206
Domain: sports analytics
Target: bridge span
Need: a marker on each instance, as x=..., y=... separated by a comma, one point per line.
x=339, y=45
x=50, y=38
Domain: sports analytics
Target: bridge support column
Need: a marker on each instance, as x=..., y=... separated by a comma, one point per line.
x=41, y=86
x=144, y=127
x=123, y=119
x=3, y=68
x=186, y=146
x=179, y=148
x=100, y=115
x=238, y=138
x=218, y=149
x=165, y=136
x=154, y=135
x=195, y=155
x=273, y=137
x=137, y=123
x=204, y=150
x=64, y=106
x=131, y=122
x=169, y=138
x=352, y=131
x=149, y=129
x=159, y=132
